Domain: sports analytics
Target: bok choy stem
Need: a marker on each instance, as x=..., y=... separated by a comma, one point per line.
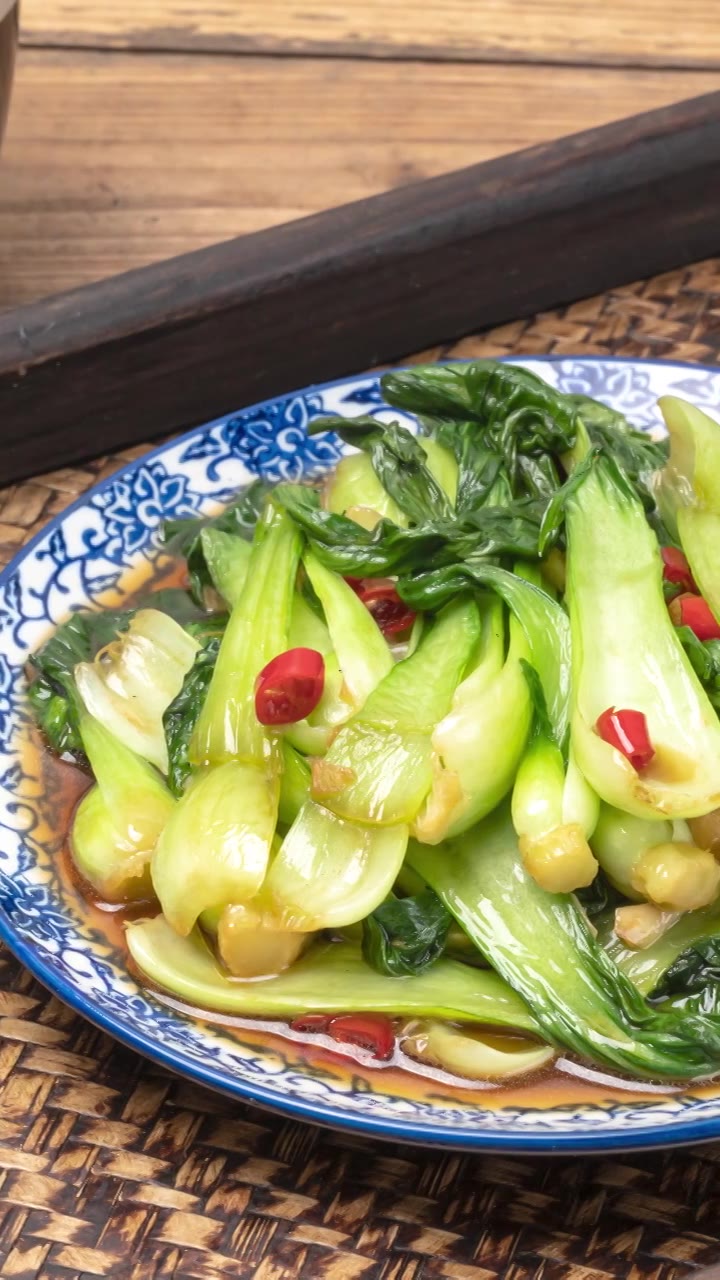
x=542, y=945
x=331, y=978
x=625, y=653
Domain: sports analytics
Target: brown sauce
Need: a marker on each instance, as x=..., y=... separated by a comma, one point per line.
x=565, y=1084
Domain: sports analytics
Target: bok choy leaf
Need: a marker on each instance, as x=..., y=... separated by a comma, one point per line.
x=542, y=945
x=120, y=819
x=625, y=653
x=330, y=978
x=379, y=768
x=406, y=935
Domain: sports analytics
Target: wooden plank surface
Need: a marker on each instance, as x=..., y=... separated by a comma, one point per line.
x=190, y=338
x=115, y=160
x=621, y=32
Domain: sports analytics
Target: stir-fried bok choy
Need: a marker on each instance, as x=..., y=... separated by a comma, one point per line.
x=426, y=759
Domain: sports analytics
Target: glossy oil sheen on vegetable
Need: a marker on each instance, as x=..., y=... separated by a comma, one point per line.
x=565, y=1084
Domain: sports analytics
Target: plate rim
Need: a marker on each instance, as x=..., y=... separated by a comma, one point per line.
x=679, y=1133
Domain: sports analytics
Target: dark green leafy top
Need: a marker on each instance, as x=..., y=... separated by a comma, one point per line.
x=406, y=935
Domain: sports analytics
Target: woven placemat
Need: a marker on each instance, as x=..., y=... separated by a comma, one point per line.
x=110, y=1166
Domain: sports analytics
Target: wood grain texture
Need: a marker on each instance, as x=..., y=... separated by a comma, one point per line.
x=194, y=337
x=620, y=32
x=110, y=1166
x=113, y=161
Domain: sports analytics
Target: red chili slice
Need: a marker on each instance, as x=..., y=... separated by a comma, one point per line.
x=676, y=568
x=389, y=611
x=289, y=687
x=692, y=611
x=627, y=730
x=356, y=584
x=307, y=1022
x=371, y=1031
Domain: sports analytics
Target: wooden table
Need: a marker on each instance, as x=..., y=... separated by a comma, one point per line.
x=144, y=128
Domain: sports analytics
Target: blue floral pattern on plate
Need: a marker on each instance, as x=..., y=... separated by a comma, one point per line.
x=85, y=554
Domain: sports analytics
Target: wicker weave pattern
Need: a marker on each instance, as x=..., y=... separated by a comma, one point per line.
x=112, y=1167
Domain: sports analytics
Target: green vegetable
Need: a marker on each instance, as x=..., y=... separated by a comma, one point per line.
x=294, y=785
x=474, y=1056
x=78, y=639
x=379, y=769
x=329, y=872
x=406, y=935
x=635, y=451
x=704, y=656
x=215, y=847
x=480, y=742
x=646, y=967
x=361, y=649
x=689, y=491
x=346, y=547
x=619, y=841
x=690, y=476
x=541, y=618
x=184, y=537
x=695, y=972
x=331, y=978
x=132, y=682
x=182, y=715
x=542, y=945
x=354, y=486
x=497, y=418
x=227, y=557
x=625, y=654
x=553, y=812
x=227, y=727
x=399, y=462
x=505, y=422
x=119, y=821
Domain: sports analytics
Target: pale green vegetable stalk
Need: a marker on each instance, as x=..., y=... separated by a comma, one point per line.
x=619, y=841
x=131, y=683
x=542, y=945
x=553, y=820
x=228, y=559
x=360, y=647
x=645, y=967
x=256, y=632
x=688, y=491
x=553, y=809
x=625, y=654
x=380, y=767
x=294, y=785
x=357, y=657
x=215, y=847
x=119, y=821
x=443, y=465
x=353, y=487
x=330, y=872
x=332, y=978
x=473, y=1057
x=481, y=740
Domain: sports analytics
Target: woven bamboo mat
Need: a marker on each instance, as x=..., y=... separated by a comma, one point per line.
x=110, y=1166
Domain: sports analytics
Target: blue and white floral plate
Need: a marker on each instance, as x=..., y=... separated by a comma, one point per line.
x=93, y=553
